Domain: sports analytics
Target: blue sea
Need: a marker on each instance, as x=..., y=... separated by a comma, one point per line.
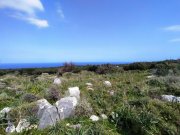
x=47, y=65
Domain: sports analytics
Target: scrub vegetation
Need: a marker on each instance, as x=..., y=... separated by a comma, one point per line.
x=133, y=104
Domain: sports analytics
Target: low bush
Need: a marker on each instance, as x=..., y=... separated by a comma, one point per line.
x=67, y=67
x=139, y=66
x=106, y=68
x=131, y=121
x=83, y=109
x=24, y=111
x=92, y=68
x=52, y=95
x=29, y=97
x=167, y=84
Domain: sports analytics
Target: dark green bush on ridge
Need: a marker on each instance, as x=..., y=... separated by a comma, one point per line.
x=139, y=66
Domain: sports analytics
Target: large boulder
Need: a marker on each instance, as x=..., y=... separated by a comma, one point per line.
x=74, y=92
x=43, y=105
x=22, y=125
x=66, y=107
x=49, y=117
x=49, y=114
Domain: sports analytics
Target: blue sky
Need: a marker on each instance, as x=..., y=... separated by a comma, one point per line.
x=33, y=31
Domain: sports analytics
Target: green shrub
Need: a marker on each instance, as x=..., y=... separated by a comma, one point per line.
x=83, y=109
x=29, y=97
x=108, y=68
x=52, y=95
x=92, y=68
x=67, y=67
x=140, y=102
x=167, y=85
x=129, y=120
x=24, y=111
x=139, y=66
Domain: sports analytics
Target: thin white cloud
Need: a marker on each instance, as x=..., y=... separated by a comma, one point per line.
x=26, y=10
x=175, y=40
x=61, y=13
x=38, y=22
x=174, y=28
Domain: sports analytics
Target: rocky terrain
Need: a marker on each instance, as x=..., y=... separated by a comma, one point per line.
x=140, y=101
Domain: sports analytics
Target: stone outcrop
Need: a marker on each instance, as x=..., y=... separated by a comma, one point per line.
x=43, y=104
x=49, y=117
x=64, y=108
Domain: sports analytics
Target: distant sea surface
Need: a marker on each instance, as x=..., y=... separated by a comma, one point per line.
x=48, y=65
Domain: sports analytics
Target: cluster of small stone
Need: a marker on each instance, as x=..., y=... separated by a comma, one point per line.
x=49, y=114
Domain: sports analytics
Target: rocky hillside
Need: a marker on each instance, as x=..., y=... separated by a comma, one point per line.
x=128, y=102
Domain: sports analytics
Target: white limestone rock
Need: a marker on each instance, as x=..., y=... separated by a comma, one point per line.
x=57, y=81
x=11, y=128
x=22, y=125
x=104, y=116
x=49, y=114
x=170, y=98
x=91, y=89
x=49, y=117
x=73, y=100
x=107, y=83
x=89, y=84
x=94, y=118
x=150, y=76
x=4, y=111
x=66, y=106
x=43, y=105
x=74, y=92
